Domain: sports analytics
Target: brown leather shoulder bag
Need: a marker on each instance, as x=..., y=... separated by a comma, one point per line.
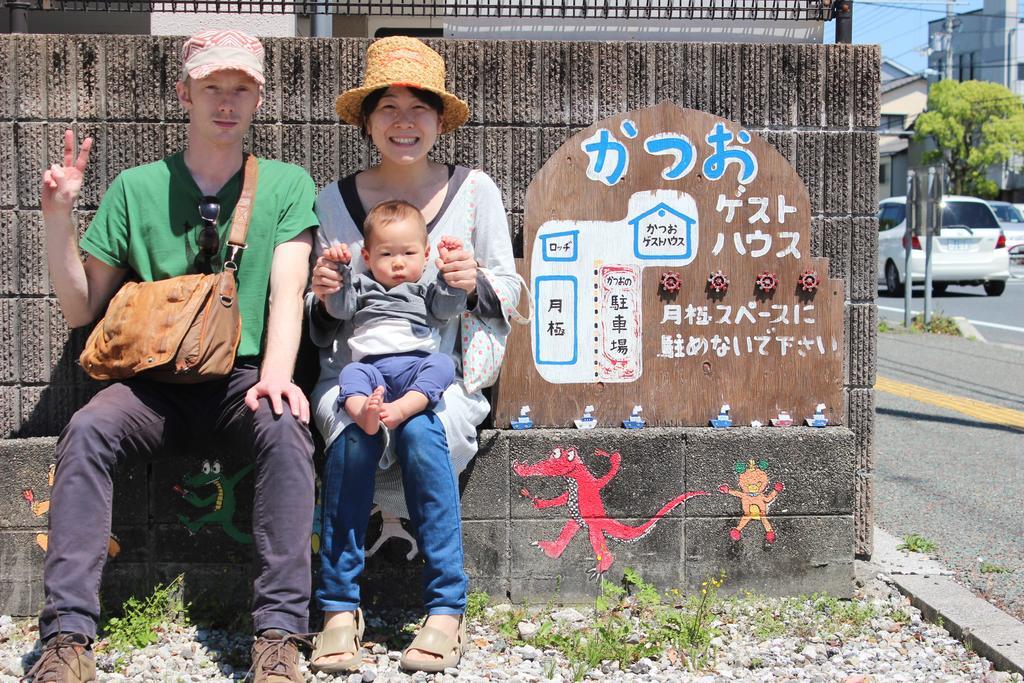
x=182, y=329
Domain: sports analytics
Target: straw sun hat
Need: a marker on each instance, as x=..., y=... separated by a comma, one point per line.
x=399, y=60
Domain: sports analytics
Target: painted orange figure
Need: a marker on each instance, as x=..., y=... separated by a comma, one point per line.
x=41, y=507
x=586, y=509
x=753, y=479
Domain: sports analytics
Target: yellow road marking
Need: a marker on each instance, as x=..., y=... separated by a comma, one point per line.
x=986, y=412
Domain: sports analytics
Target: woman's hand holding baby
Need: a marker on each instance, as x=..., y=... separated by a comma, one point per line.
x=326, y=276
x=456, y=264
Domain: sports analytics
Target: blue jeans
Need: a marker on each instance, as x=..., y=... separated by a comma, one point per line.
x=431, y=493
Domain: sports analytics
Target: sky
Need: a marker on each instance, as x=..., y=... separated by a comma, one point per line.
x=900, y=27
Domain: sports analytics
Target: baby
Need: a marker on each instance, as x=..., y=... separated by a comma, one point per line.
x=396, y=370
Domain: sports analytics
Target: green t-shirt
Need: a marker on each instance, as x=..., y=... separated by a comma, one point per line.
x=149, y=222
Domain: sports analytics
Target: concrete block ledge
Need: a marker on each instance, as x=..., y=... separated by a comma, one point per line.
x=654, y=500
x=988, y=630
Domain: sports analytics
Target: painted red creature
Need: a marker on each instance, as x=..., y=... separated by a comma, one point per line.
x=586, y=509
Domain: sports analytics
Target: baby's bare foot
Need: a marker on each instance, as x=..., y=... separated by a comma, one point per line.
x=392, y=414
x=367, y=413
x=398, y=411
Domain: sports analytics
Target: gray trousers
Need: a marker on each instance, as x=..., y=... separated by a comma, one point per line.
x=144, y=419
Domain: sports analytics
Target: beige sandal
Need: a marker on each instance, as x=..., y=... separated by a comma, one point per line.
x=436, y=642
x=341, y=640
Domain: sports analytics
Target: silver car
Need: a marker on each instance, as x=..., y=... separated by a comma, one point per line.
x=1011, y=218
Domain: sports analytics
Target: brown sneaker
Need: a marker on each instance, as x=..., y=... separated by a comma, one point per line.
x=65, y=659
x=275, y=657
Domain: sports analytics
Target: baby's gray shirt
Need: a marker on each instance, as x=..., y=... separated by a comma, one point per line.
x=361, y=299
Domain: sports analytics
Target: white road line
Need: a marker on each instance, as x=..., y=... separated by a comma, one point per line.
x=979, y=323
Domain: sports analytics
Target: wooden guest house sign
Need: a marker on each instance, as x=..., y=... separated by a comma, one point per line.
x=668, y=254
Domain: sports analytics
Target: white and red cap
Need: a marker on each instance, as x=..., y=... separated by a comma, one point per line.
x=222, y=50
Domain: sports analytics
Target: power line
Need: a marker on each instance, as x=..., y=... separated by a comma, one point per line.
x=913, y=49
x=942, y=11
x=873, y=19
x=874, y=22
x=978, y=65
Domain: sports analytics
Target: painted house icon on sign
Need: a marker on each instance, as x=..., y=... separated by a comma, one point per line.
x=587, y=278
x=662, y=233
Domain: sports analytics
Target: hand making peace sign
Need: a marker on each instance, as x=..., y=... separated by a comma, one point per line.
x=61, y=184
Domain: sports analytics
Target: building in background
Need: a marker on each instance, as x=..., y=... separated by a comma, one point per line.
x=903, y=95
x=987, y=45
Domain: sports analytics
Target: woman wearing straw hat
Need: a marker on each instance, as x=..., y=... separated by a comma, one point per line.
x=402, y=107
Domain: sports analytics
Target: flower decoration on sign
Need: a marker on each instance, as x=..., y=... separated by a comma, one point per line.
x=718, y=281
x=671, y=281
x=808, y=280
x=767, y=282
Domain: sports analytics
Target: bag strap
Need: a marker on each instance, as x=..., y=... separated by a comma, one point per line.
x=243, y=212
x=511, y=311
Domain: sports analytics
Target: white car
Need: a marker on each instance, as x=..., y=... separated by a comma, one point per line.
x=969, y=249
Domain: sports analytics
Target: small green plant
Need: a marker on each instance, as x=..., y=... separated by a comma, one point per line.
x=508, y=624
x=687, y=628
x=587, y=648
x=991, y=568
x=938, y=324
x=883, y=326
x=476, y=603
x=825, y=604
x=682, y=626
x=842, y=615
x=550, y=666
x=900, y=616
x=767, y=626
x=854, y=613
x=916, y=543
x=141, y=619
x=646, y=594
x=698, y=631
x=610, y=597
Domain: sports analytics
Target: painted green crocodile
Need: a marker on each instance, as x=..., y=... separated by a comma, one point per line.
x=222, y=500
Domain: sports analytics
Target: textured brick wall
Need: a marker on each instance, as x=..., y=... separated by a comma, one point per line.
x=817, y=104
x=812, y=517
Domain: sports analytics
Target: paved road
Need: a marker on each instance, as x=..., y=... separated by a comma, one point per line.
x=948, y=466
x=999, y=319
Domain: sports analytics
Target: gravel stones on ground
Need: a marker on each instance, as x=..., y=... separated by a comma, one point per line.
x=893, y=644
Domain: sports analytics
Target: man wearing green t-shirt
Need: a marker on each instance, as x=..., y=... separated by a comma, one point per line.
x=150, y=224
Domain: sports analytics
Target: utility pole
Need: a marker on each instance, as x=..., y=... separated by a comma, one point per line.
x=949, y=41
x=321, y=22
x=842, y=12
x=18, y=10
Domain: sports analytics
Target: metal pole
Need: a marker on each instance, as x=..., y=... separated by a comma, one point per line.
x=930, y=228
x=908, y=239
x=842, y=12
x=19, y=15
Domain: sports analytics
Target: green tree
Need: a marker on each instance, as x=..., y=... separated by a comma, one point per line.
x=974, y=125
